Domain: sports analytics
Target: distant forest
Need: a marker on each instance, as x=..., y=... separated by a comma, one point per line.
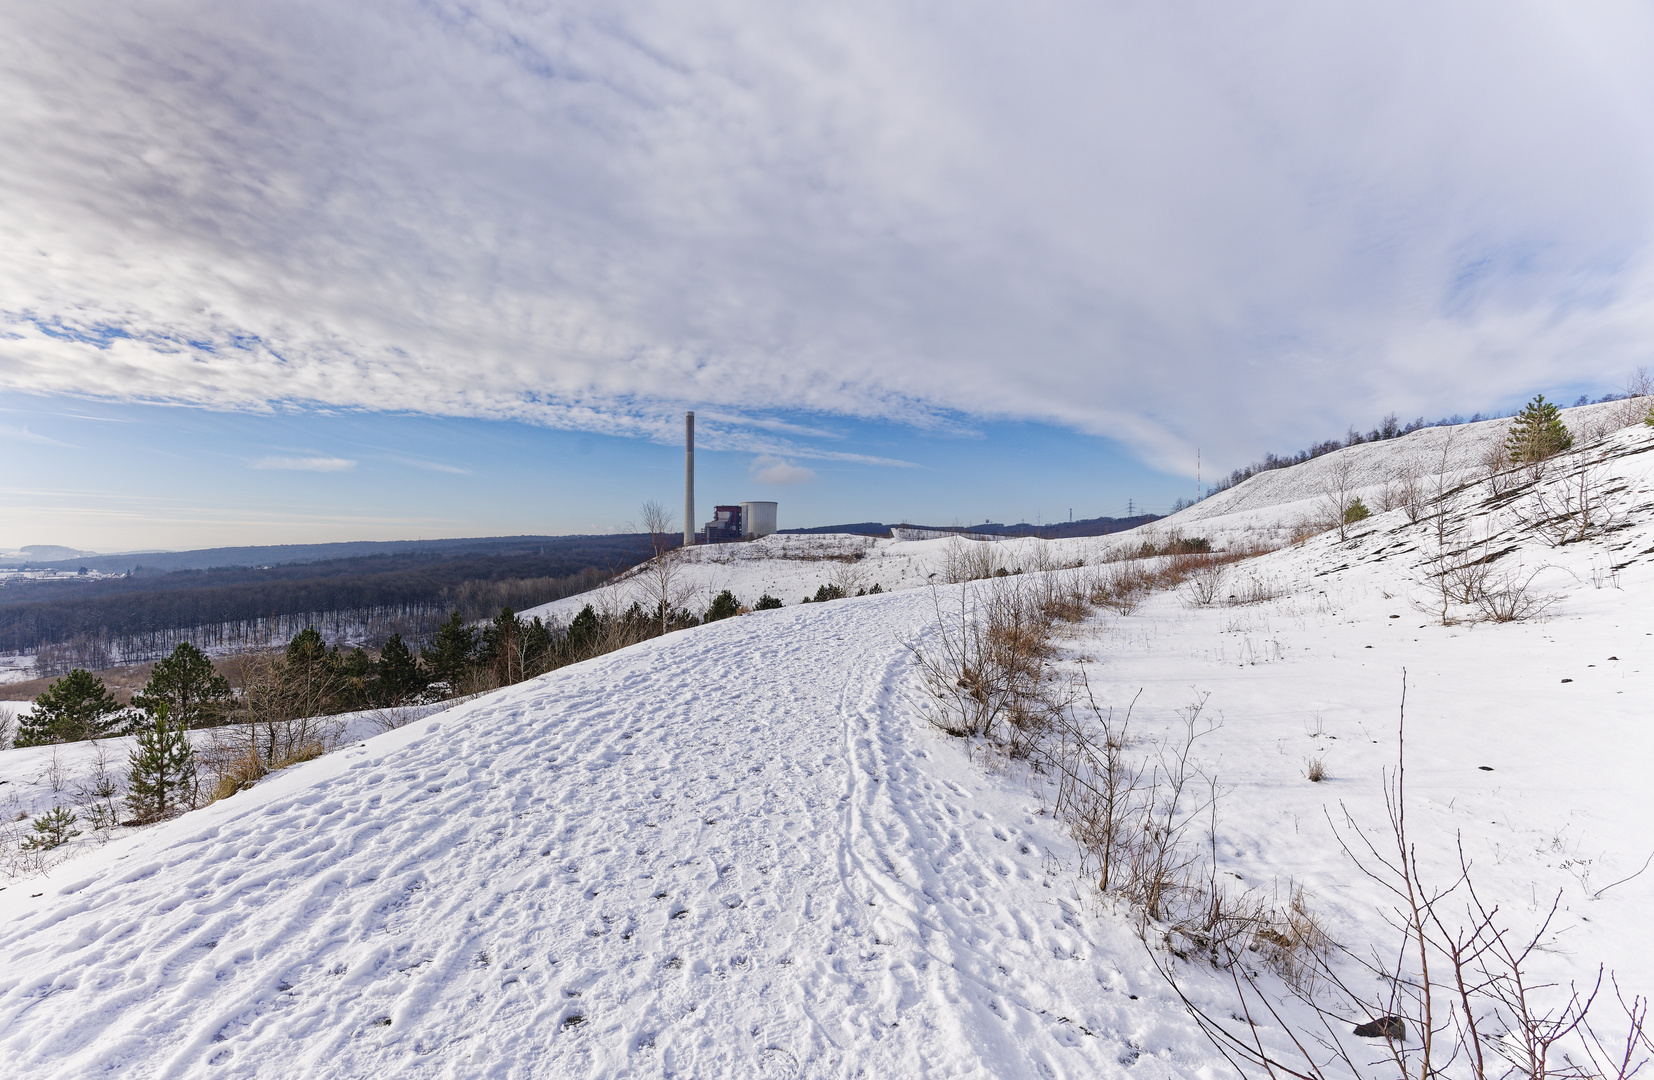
x=143, y=616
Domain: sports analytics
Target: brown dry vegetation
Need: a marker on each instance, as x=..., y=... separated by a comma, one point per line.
x=123, y=682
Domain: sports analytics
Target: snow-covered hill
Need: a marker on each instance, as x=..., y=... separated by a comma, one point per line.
x=739, y=850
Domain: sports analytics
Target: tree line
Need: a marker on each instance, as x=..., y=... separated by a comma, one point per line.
x=96, y=624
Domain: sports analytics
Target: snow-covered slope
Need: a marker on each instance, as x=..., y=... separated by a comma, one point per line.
x=740, y=851
x=730, y=852
x=1270, y=504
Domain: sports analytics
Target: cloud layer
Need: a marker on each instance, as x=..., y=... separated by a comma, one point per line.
x=769, y=469
x=306, y=464
x=1218, y=225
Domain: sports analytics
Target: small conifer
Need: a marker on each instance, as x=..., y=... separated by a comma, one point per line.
x=723, y=606
x=52, y=829
x=766, y=603
x=1356, y=511
x=583, y=632
x=396, y=677
x=162, y=779
x=194, y=694
x=449, y=656
x=75, y=707
x=1538, y=432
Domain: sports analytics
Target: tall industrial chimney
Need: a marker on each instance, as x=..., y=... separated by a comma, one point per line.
x=689, y=479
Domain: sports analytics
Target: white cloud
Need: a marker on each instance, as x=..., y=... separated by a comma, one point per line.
x=1228, y=225
x=430, y=466
x=306, y=464
x=767, y=469
x=23, y=434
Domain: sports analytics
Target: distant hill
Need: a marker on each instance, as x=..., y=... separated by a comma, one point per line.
x=52, y=557
x=41, y=554
x=1098, y=526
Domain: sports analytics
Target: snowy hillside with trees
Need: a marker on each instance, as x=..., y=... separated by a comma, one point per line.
x=1032, y=808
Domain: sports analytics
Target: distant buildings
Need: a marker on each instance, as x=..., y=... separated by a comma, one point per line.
x=744, y=521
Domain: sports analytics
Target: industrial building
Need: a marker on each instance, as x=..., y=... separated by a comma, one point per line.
x=744, y=521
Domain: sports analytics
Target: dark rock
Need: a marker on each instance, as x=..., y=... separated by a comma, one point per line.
x=1385, y=1027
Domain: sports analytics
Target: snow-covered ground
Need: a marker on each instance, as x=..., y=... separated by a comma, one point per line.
x=740, y=851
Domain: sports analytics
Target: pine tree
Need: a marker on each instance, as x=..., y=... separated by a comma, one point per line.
x=162, y=777
x=1356, y=511
x=194, y=694
x=314, y=681
x=396, y=677
x=355, y=682
x=76, y=707
x=538, y=655
x=448, y=657
x=769, y=603
x=723, y=606
x=581, y=639
x=52, y=829
x=1538, y=432
x=501, y=648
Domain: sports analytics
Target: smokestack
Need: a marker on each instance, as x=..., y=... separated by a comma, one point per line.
x=689, y=479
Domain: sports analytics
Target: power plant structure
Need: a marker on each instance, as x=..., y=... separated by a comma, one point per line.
x=689, y=479
x=743, y=521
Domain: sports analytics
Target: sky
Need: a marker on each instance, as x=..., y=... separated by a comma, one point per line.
x=302, y=272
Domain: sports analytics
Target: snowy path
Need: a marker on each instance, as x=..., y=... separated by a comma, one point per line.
x=731, y=852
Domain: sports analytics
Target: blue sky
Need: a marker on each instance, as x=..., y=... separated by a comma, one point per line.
x=943, y=262
x=116, y=477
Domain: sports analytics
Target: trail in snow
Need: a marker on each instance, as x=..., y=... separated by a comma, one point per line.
x=731, y=852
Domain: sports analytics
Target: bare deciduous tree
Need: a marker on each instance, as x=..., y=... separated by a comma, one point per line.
x=661, y=579
x=1338, y=493
x=1578, y=505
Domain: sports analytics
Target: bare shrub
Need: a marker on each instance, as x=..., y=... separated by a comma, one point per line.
x=1638, y=403
x=1253, y=591
x=1338, y=495
x=987, y=657
x=1409, y=492
x=1067, y=604
x=1096, y=787
x=389, y=719
x=1579, y=505
x=1455, y=995
x=1119, y=586
x=1134, y=817
x=232, y=768
x=848, y=577
x=1307, y=528
x=8, y=726
x=282, y=708
x=1501, y=472
x=970, y=560
x=97, y=794
x=1510, y=597
x=1205, y=585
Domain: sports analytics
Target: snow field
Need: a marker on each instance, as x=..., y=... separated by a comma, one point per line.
x=724, y=852
x=739, y=850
